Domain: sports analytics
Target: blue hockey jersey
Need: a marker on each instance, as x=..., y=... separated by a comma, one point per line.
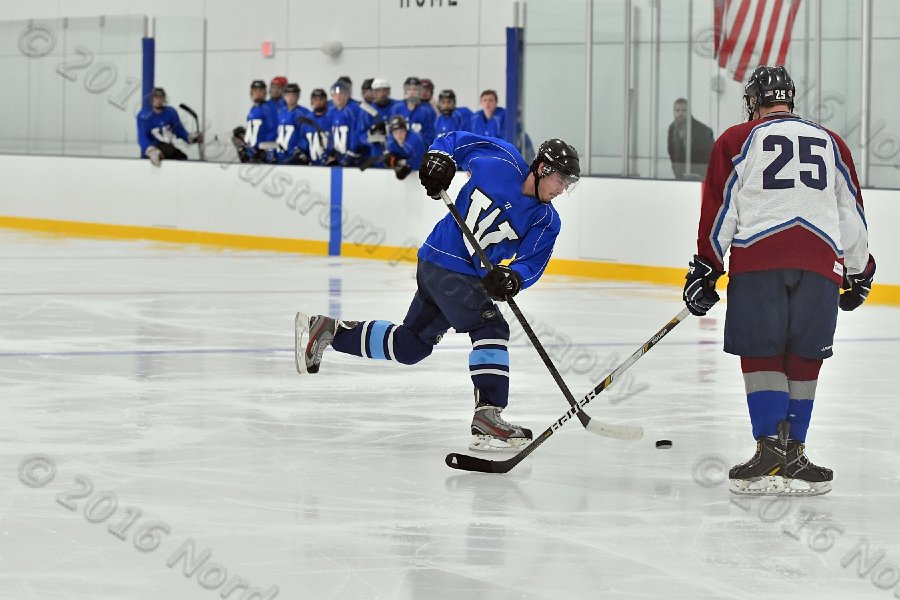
x=412, y=149
x=420, y=119
x=163, y=126
x=505, y=221
x=493, y=127
x=289, y=136
x=452, y=122
x=261, y=125
x=346, y=135
x=316, y=137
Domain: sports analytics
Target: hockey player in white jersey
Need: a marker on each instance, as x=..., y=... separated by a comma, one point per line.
x=781, y=193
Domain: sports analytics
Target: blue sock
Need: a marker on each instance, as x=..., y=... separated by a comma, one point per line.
x=800, y=408
x=767, y=409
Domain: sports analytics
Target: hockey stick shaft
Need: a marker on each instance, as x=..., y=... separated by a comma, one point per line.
x=465, y=462
x=583, y=417
x=193, y=113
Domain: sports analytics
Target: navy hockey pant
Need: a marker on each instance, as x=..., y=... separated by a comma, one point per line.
x=444, y=299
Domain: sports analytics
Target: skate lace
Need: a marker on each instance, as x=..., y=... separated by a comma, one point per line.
x=500, y=421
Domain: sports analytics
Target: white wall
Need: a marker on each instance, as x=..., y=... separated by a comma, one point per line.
x=460, y=46
x=613, y=220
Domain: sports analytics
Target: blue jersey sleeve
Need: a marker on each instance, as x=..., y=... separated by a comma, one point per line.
x=536, y=248
x=473, y=152
x=175, y=122
x=143, y=131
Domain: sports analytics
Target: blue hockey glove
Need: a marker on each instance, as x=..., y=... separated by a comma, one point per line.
x=436, y=172
x=700, y=286
x=856, y=287
x=501, y=282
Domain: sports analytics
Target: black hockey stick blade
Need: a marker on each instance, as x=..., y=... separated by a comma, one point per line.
x=465, y=462
x=188, y=110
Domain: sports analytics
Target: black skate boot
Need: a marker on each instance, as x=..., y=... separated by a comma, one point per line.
x=491, y=432
x=311, y=336
x=762, y=475
x=803, y=478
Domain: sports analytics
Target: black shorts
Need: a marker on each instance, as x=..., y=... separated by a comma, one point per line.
x=781, y=311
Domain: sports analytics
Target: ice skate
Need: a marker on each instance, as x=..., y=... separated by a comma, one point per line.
x=762, y=475
x=803, y=478
x=311, y=336
x=490, y=432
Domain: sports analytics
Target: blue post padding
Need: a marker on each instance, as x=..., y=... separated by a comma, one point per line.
x=148, y=68
x=799, y=413
x=337, y=202
x=514, y=67
x=767, y=409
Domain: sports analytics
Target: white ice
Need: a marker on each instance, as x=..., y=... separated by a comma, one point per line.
x=163, y=377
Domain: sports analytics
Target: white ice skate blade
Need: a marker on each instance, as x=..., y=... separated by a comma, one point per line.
x=772, y=485
x=799, y=487
x=489, y=443
x=301, y=333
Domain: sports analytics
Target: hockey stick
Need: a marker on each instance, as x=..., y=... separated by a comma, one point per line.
x=202, y=144
x=465, y=462
x=623, y=432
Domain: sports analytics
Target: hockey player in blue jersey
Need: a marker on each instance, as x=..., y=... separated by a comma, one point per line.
x=508, y=204
x=315, y=130
x=418, y=114
x=289, y=150
x=450, y=118
x=158, y=127
x=347, y=133
x=261, y=126
x=489, y=120
x=382, y=101
x=404, y=148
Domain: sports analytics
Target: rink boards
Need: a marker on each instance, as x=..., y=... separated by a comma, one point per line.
x=637, y=230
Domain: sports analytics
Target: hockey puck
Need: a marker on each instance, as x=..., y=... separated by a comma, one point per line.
x=663, y=444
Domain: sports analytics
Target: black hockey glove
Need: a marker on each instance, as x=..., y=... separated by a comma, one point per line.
x=857, y=286
x=700, y=286
x=436, y=172
x=501, y=282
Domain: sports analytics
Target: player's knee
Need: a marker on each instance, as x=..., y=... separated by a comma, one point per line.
x=494, y=330
x=413, y=352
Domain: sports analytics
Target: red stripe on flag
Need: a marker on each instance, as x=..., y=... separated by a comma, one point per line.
x=750, y=44
x=733, y=33
x=719, y=7
x=770, y=33
x=786, y=40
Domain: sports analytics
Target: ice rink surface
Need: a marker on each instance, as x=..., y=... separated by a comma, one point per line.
x=158, y=443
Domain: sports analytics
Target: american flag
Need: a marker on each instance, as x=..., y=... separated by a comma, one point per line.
x=752, y=32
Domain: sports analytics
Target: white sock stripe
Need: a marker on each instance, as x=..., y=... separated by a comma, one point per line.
x=362, y=339
x=390, y=341
x=489, y=372
x=486, y=342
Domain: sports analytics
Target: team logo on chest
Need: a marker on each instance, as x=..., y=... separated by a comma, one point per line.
x=487, y=226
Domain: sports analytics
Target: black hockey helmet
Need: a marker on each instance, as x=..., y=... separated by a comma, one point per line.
x=318, y=93
x=769, y=86
x=367, y=84
x=447, y=95
x=397, y=122
x=258, y=84
x=292, y=88
x=412, y=81
x=157, y=92
x=557, y=156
